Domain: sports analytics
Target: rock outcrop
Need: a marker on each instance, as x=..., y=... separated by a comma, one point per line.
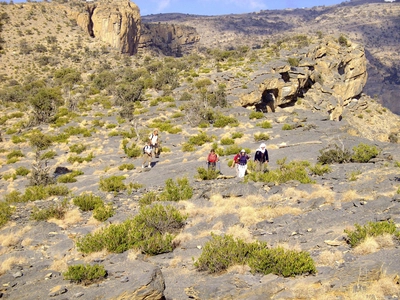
x=327, y=75
x=117, y=23
x=170, y=39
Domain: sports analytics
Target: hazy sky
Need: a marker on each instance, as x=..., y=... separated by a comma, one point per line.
x=221, y=7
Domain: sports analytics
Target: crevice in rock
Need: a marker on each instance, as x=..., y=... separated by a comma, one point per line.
x=90, y=9
x=285, y=76
x=267, y=100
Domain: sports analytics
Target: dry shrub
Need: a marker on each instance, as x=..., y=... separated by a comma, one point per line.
x=133, y=254
x=350, y=195
x=308, y=290
x=182, y=237
x=239, y=269
x=218, y=226
x=26, y=242
x=324, y=192
x=96, y=256
x=385, y=240
x=10, y=262
x=59, y=264
x=175, y=261
x=240, y=232
x=369, y=245
x=12, y=239
x=293, y=193
x=72, y=217
x=330, y=258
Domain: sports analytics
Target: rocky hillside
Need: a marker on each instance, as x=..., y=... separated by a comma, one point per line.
x=373, y=24
x=81, y=218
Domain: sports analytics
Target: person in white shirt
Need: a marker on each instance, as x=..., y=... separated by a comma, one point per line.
x=147, y=155
x=154, y=142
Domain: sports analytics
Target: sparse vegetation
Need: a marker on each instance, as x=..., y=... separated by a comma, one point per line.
x=85, y=274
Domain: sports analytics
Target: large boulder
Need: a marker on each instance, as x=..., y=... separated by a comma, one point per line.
x=117, y=23
x=327, y=74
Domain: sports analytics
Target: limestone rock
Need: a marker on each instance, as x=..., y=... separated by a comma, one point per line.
x=171, y=39
x=117, y=23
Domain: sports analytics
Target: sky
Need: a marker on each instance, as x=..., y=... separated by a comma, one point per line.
x=223, y=7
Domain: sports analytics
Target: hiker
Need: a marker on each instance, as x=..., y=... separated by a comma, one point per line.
x=241, y=163
x=212, y=160
x=235, y=163
x=261, y=158
x=154, y=143
x=147, y=155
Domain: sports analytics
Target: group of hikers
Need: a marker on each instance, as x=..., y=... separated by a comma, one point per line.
x=240, y=160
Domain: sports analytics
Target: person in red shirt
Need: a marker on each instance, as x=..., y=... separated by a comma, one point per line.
x=212, y=160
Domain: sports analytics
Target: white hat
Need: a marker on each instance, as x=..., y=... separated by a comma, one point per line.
x=262, y=145
x=242, y=151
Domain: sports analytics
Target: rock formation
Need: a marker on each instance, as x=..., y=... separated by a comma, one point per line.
x=117, y=23
x=327, y=75
x=171, y=39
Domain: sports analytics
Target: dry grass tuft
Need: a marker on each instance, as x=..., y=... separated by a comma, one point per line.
x=183, y=237
x=12, y=239
x=240, y=232
x=239, y=269
x=133, y=254
x=59, y=264
x=10, y=262
x=96, y=256
x=324, y=192
x=350, y=195
x=369, y=245
x=72, y=217
x=330, y=258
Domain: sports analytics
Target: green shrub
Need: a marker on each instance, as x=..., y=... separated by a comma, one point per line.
x=222, y=252
x=237, y=135
x=87, y=201
x=103, y=212
x=222, y=121
x=85, y=274
x=15, y=154
x=363, y=153
x=77, y=148
x=264, y=124
x=261, y=137
x=70, y=177
x=75, y=158
x=8, y=176
x=38, y=192
x=17, y=139
x=287, y=127
x=149, y=198
x=6, y=212
x=54, y=211
x=295, y=170
x=397, y=164
x=353, y=175
x=278, y=261
x=22, y=171
x=186, y=147
x=256, y=115
x=112, y=184
x=227, y=141
x=133, y=150
x=334, y=154
x=150, y=231
x=207, y=174
x=126, y=167
x=320, y=169
x=200, y=139
x=165, y=126
x=176, y=191
x=293, y=61
x=371, y=229
x=48, y=155
x=342, y=40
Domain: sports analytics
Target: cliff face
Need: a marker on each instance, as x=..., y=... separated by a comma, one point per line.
x=170, y=39
x=117, y=23
x=328, y=75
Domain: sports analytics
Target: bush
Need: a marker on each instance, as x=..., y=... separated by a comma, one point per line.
x=227, y=141
x=320, y=169
x=48, y=155
x=54, y=211
x=126, y=167
x=85, y=274
x=334, y=154
x=38, y=192
x=149, y=231
x=293, y=61
x=342, y=40
x=149, y=198
x=77, y=148
x=70, y=177
x=287, y=127
x=133, y=150
x=363, y=153
x=181, y=190
x=103, y=212
x=199, y=139
x=372, y=229
x=79, y=159
x=87, y=201
x=15, y=154
x=222, y=121
x=207, y=174
x=186, y=147
x=261, y=137
x=22, y=171
x=5, y=213
x=278, y=261
x=112, y=184
x=256, y=115
x=237, y=135
x=222, y=252
x=45, y=103
x=264, y=124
